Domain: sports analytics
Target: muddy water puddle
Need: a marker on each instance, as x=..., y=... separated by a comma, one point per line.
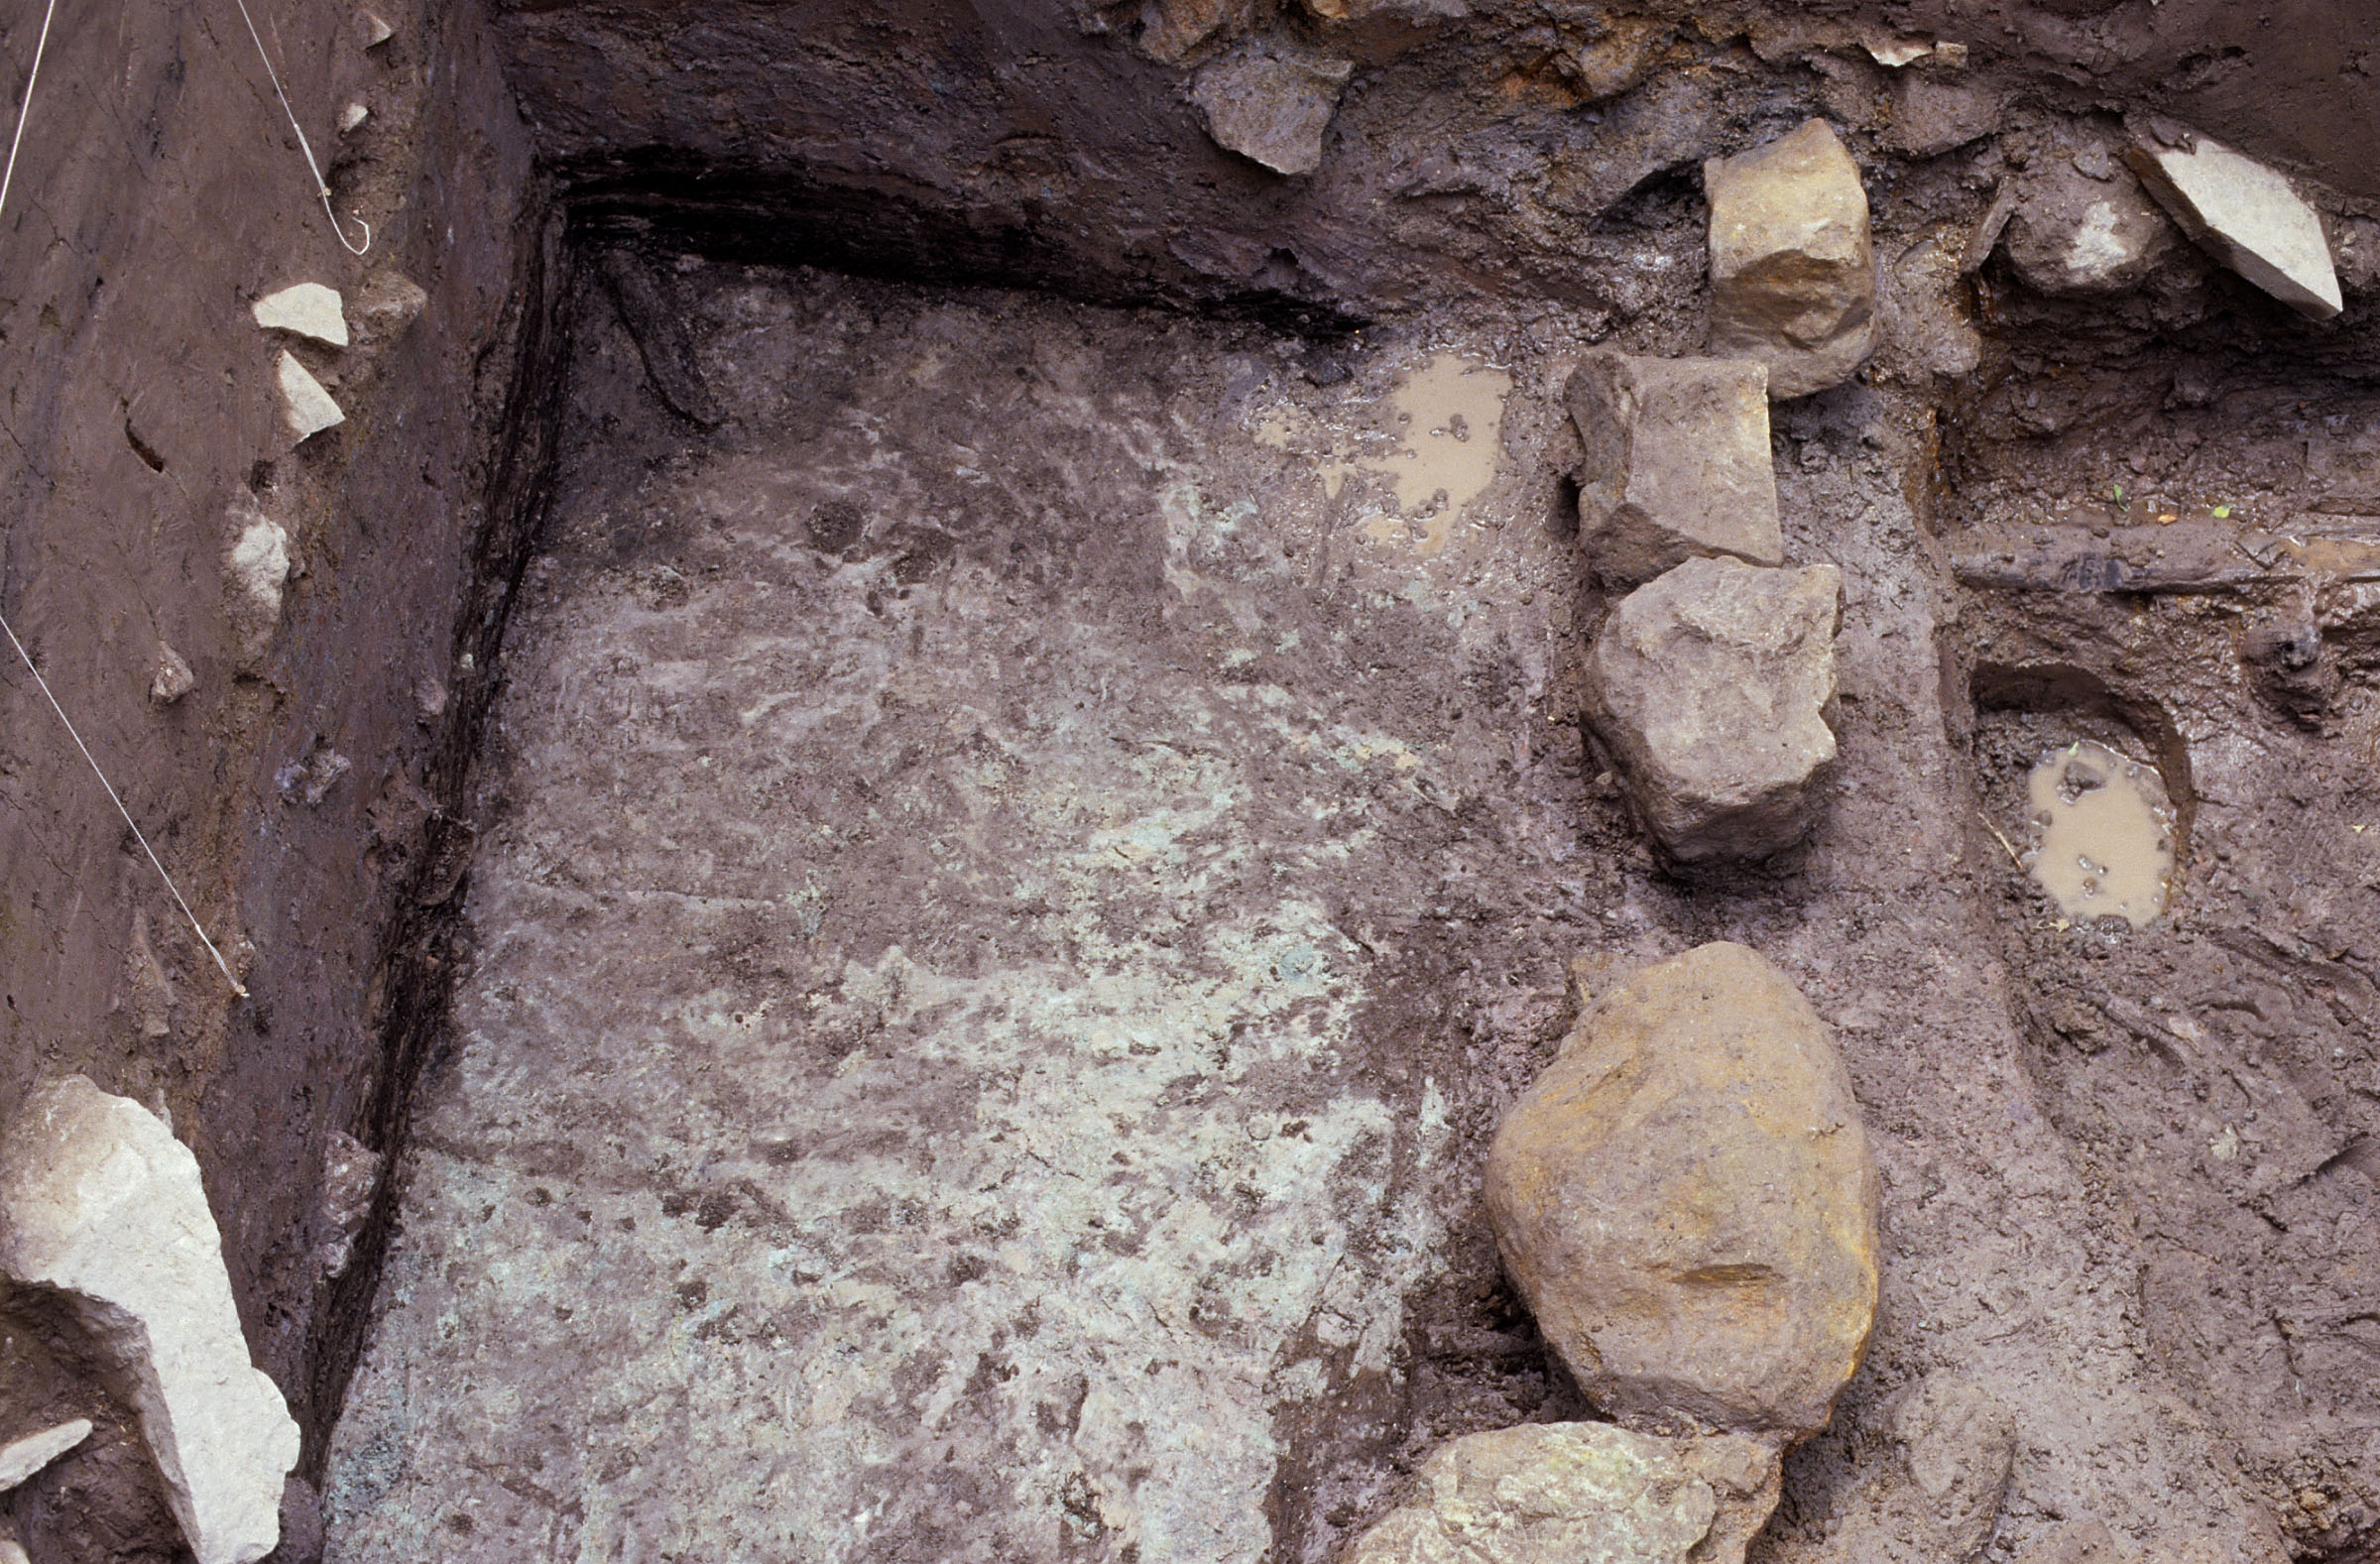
x=2105, y=833
x=1448, y=419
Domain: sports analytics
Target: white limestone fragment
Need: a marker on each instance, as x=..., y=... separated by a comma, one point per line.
x=12, y=1551
x=308, y=309
x=305, y=406
x=376, y=31
x=2245, y=215
x=21, y=1458
x=257, y=571
x=352, y=115
x=174, y=678
x=100, y=1201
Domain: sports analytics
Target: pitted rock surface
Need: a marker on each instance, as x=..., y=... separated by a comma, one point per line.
x=1710, y=685
x=1272, y=107
x=2072, y=234
x=1686, y=1200
x=1564, y=1492
x=1677, y=463
x=1793, y=279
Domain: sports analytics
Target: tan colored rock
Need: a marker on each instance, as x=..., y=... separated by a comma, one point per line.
x=1792, y=272
x=1570, y=1492
x=101, y=1205
x=1686, y=1200
x=2244, y=214
x=1710, y=685
x=1677, y=463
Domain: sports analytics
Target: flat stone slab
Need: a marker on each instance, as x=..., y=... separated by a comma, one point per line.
x=1677, y=463
x=1793, y=277
x=1686, y=1201
x=21, y=1458
x=306, y=409
x=100, y=1202
x=1570, y=1492
x=1710, y=685
x=307, y=309
x=2245, y=215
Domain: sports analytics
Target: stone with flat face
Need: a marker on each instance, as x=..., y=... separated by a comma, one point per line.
x=1686, y=1200
x=1565, y=1493
x=100, y=1201
x=1677, y=463
x=1710, y=686
x=1273, y=108
x=2244, y=214
x=1793, y=277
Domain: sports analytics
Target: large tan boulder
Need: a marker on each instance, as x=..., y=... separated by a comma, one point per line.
x=1710, y=685
x=1793, y=277
x=1676, y=463
x=1686, y=1200
x=1568, y=1493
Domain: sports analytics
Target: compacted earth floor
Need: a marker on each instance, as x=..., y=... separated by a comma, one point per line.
x=1027, y=848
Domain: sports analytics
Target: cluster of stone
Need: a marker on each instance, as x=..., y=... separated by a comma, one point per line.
x=1685, y=1199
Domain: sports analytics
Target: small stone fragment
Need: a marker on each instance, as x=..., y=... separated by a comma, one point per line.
x=2084, y=1541
x=1792, y=273
x=2072, y=234
x=1931, y=116
x=376, y=31
x=152, y=993
x=1710, y=685
x=1271, y=107
x=351, y=116
x=2244, y=214
x=350, y=1175
x=1685, y=1199
x=174, y=678
x=305, y=406
x=21, y=1458
x=256, y=572
x=1677, y=463
x=1939, y=1500
x=12, y=1551
x=1564, y=1492
x=385, y=304
x=99, y=1202
x=308, y=309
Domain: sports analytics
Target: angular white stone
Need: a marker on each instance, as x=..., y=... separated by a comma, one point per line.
x=308, y=308
x=376, y=31
x=2247, y=216
x=352, y=115
x=304, y=404
x=100, y=1202
x=21, y=1458
x=256, y=572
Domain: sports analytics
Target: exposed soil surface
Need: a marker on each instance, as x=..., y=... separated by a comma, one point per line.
x=1024, y=850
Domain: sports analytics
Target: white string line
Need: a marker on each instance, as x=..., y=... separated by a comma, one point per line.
x=322, y=186
x=220, y=963
x=30, y=76
x=25, y=112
